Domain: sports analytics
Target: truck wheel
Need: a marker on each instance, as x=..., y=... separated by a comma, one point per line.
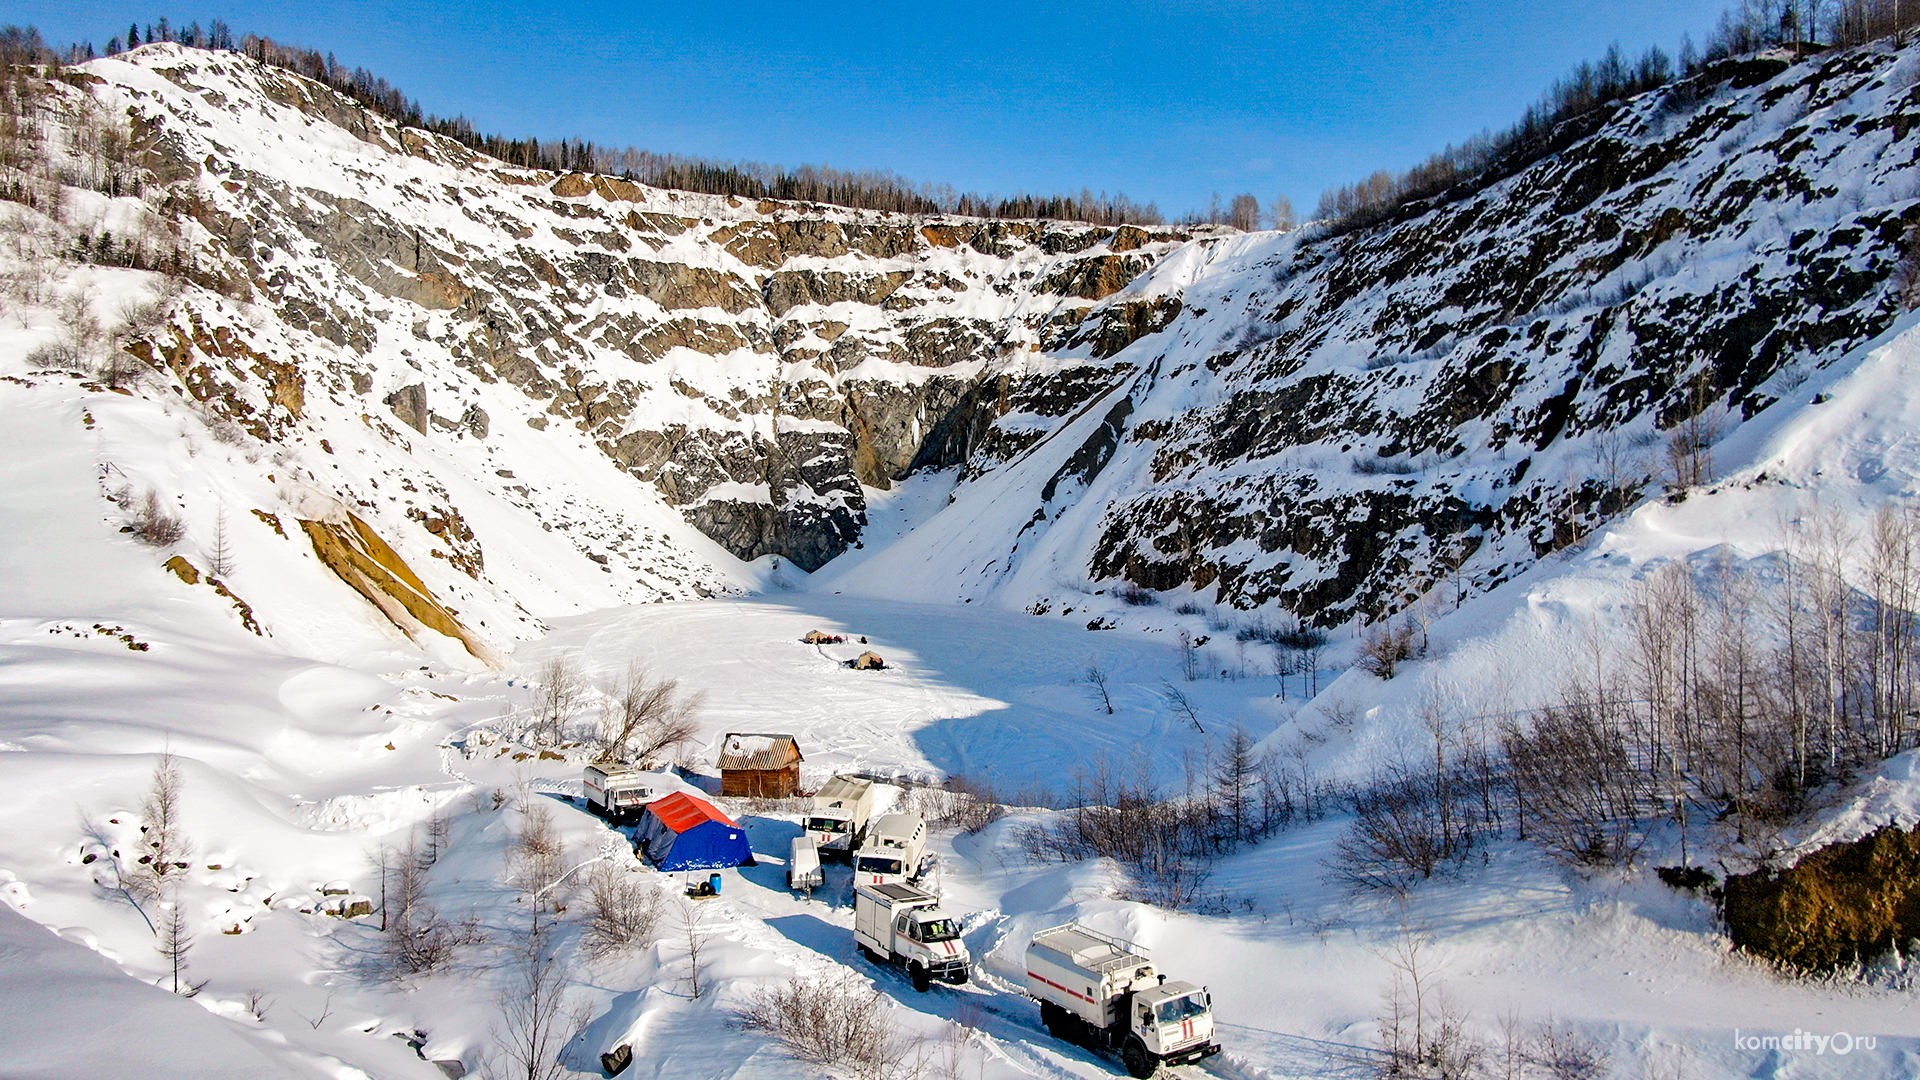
x=872, y=957
x=1050, y=1019
x=922, y=981
x=1139, y=1065
x=961, y=978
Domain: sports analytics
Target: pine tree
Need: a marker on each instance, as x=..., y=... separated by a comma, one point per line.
x=133, y=35
x=220, y=559
x=176, y=939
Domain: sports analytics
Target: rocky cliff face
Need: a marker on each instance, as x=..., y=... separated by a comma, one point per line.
x=1330, y=424
x=756, y=363
x=1341, y=424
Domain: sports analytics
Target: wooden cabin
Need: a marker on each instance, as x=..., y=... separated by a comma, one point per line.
x=759, y=766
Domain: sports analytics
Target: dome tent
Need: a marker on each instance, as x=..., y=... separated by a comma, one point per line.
x=681, y=832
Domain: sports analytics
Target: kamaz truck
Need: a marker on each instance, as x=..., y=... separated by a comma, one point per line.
x=1104, y=994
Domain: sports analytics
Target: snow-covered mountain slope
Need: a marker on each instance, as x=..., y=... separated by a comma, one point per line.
x=458, y=419
x=1332, y=424
x=755, y=363
x=1340, y=424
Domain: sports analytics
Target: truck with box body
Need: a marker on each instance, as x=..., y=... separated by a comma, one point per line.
x=899, y=924
x=895, y=850
x=1104, y=994
x=838, y=818
x=618, y=793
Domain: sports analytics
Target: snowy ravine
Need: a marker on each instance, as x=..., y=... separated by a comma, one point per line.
x=428, y=422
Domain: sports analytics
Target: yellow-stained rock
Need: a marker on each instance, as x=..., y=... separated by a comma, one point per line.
x=356, y=553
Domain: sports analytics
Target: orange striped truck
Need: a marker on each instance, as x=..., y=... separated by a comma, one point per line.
x=1104, y=994
x=895, y=923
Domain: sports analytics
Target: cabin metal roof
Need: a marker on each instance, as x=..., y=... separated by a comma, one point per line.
x=749, y=750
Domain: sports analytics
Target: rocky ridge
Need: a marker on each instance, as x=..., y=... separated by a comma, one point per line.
x=1335, y=425
x=756, y=363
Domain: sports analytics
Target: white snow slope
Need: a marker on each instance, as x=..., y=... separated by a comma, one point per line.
x=309, y=747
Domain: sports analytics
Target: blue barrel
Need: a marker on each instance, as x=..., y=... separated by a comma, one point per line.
x=713, y=882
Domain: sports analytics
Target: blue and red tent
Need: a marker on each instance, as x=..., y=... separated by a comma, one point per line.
x=681, y=832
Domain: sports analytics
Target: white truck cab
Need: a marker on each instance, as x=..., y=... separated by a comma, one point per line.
x=838, y=818
x=895, y=850
x=899, y=924
x=618, y=793
x=1173, y=1019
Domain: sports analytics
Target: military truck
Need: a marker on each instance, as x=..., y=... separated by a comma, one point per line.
x=1104, y=994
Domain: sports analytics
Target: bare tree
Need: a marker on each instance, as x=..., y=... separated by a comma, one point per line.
x=1097, y=679
x=175, y=941
x=1189, y=657
x=1182, y=705
x=696, y=935
x=535, y=1025
x=415, y=939
x=1244, y=213
x=1281, y=215
x=167, y=847
x=220, y=558
x=1235, y=778
x=558, y=696
x=539, y=856
x=643, y=718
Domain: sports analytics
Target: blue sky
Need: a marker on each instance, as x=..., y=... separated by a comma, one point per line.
x=1167, y=102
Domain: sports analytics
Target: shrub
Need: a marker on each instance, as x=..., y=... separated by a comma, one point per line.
x=961, y=802
x=1136, y=596
x=1378, y=466
x=1408, y=826
x=1581, y=794
x=154, y=525
x=57, y=356
x=839, y=1025
x=1385, y=647
x=1298, y=636
x=1689, y=878
x=622, y=913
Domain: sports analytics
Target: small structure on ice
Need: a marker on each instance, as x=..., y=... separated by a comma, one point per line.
x=867, y=661
x=821, y=637
x=759, y=766
x=681, y=832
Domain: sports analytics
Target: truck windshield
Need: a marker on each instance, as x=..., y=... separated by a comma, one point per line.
x=938, y=930
x=871, y=865
x=824, y=824
x=1180, y=1008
